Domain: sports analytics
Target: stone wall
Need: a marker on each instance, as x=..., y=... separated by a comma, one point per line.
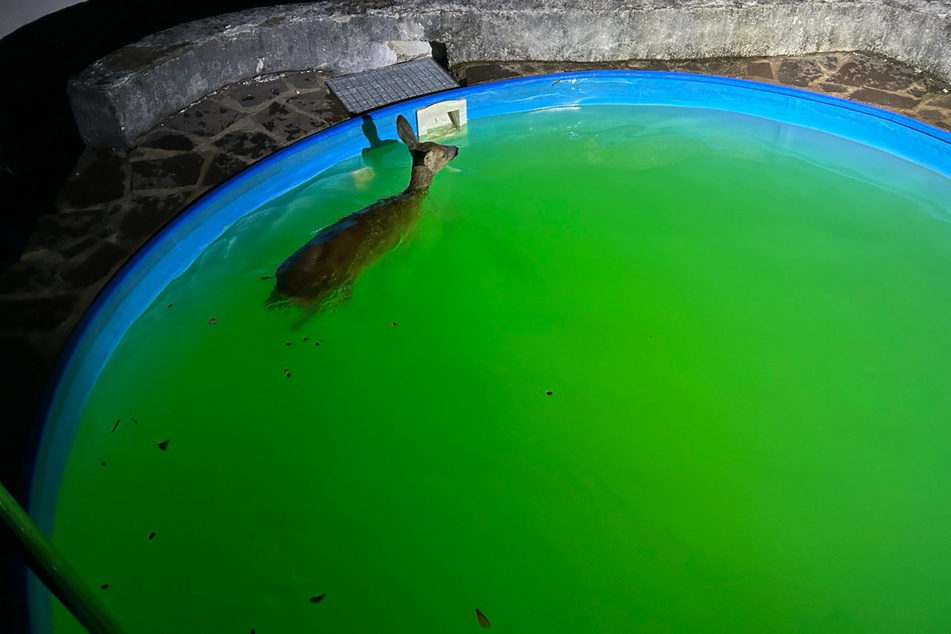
x=128, y=92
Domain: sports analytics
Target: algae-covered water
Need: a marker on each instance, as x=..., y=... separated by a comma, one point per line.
x=637, y=369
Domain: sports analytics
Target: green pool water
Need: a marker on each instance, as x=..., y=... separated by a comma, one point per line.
x=637, y=369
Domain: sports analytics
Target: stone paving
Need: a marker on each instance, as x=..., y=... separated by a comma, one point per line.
x=116, y=199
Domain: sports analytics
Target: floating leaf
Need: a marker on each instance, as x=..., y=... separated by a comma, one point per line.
x=116, y=425
x=483, y=622
x=163, y=445
x=318, y=598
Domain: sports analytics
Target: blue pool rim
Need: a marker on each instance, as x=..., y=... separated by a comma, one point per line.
x=176, y=245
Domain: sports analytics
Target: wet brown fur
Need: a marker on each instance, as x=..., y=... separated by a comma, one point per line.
x=330, y=262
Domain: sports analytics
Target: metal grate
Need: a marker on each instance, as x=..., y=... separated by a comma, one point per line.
x=371, y=89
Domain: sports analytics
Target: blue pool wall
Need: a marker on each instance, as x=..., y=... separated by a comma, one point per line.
x=171, y=251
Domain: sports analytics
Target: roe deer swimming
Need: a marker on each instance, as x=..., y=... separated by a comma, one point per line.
x=325, y=268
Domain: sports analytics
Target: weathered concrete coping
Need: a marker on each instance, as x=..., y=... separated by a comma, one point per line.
x=133, y=89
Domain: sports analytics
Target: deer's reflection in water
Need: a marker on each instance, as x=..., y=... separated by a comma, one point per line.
x=321, y=273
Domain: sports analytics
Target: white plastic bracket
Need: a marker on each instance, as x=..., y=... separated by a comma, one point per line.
x=441, y=115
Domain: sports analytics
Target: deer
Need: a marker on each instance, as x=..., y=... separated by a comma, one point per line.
x=322, y=272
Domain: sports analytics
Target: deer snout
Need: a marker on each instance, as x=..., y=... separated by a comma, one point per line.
x=440, y=157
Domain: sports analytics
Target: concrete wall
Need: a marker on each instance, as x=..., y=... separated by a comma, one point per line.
x=129, y=92
x=17, y=13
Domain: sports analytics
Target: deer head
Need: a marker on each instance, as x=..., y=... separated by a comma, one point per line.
x=428, y=157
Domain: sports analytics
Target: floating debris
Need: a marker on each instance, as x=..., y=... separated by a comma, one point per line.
x=104, y=463
x=287, y=372
x=305, y=338
x=393, y=324
x=555, y=82
x=483, y=622
x=549, y=393
x=163, y=445
x=151, y=535
x=134, y=420
x=169, y=306
x=213, y=321
x=318, y=598
x=116, y=425
x=316, y=343
x=105, y=586
x=287, y=343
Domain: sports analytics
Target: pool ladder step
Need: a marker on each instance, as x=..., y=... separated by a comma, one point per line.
x=444, y=117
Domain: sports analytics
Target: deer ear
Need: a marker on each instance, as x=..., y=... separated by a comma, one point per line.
x=405, y=130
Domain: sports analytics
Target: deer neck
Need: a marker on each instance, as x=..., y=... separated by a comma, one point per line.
x=421, y=178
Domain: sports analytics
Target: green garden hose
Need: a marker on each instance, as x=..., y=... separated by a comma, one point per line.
x=52, y=569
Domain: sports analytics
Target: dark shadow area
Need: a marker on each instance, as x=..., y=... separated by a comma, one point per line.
x=372, y=155
x=39, y=143
x=440, y=54
x=373, y=137
x=20, y=394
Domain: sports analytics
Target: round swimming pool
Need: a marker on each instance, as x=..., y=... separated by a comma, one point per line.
x=660, y=352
